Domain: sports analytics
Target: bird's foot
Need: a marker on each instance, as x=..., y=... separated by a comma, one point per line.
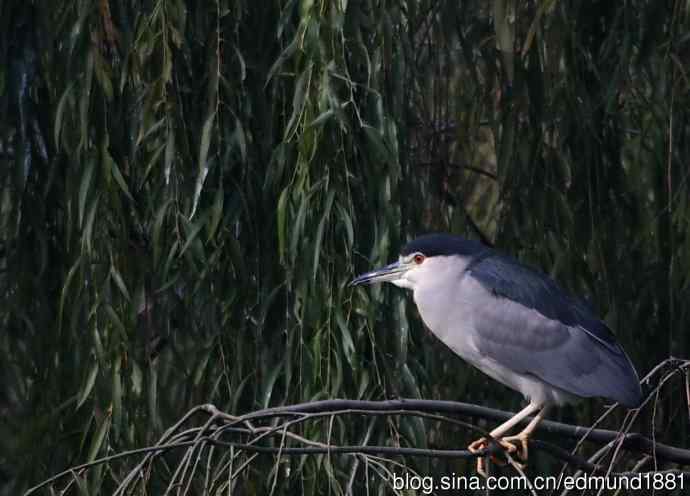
x=478, y=445
x=475, y=447
x=508, y=445
x=483, y=443
x=522, y=452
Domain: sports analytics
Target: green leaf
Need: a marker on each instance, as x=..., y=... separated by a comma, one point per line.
x=347, y=343
x=103, y=75
x=84, y=187
x=60, y=113
x=282, y=58
x=157, y=229
x=216, y=212
x=169, y=153
x=116, y=396
x=281, y=223
x=346, y=221
x=152, y=162
x=99, y=437
x=65, y=288
x=269, y=383
x=87, y=236
x=240, y=139
x=117, y=277
x=115, y=320
x=192, y=236
x=118, y=175
x=203, y=165
x=137, y=379
x=243, y=64
x=319, y=233
x=322, y=118
x=152, y=396
x=85, y=102
x=298, y=227
x=88, y=384
x=298, y=101
x=199, y=372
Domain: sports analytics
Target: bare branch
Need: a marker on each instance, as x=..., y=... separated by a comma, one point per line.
x=220, y=429
x=630, y=441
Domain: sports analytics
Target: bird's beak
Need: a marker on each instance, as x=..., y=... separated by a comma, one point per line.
x=388, y=273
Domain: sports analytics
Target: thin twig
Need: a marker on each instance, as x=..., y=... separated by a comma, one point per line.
x=219, y=425
x=631, y=441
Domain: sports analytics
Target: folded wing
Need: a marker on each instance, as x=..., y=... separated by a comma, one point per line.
x=568, y=347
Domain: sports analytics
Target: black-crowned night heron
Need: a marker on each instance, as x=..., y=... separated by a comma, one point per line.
x=514, y=324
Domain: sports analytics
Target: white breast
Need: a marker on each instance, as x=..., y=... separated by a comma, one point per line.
x=445, y=301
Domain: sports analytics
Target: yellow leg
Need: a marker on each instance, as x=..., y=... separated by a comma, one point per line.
x=499, y=431
x=524, y=434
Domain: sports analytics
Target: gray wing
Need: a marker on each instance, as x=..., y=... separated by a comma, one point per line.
x=530, y=325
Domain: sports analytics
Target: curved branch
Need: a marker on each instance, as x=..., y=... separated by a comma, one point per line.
x=631, y=441
x=219, y=422
x=495, y=449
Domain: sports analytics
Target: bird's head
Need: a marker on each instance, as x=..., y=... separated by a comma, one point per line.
x=401, y=273
x=422, y=258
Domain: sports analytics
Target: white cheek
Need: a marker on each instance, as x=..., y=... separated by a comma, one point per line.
x=417, y=274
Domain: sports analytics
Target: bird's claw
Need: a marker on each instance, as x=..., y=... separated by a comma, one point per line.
x=508, y=445
x=522, y=453
x=476, y=447
x=480, y=445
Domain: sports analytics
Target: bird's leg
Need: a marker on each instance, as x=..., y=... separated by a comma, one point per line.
x=498, y=432
x=524, y=434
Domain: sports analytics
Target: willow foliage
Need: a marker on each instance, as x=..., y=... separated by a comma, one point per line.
x=187, y=188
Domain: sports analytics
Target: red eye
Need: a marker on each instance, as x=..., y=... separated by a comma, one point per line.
x=418, y=258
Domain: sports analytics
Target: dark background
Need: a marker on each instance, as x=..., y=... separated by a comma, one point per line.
x=187, y=188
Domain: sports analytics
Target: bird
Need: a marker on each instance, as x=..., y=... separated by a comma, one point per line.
x=516, y=325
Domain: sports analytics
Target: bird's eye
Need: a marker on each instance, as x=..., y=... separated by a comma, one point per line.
x=418, y=258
